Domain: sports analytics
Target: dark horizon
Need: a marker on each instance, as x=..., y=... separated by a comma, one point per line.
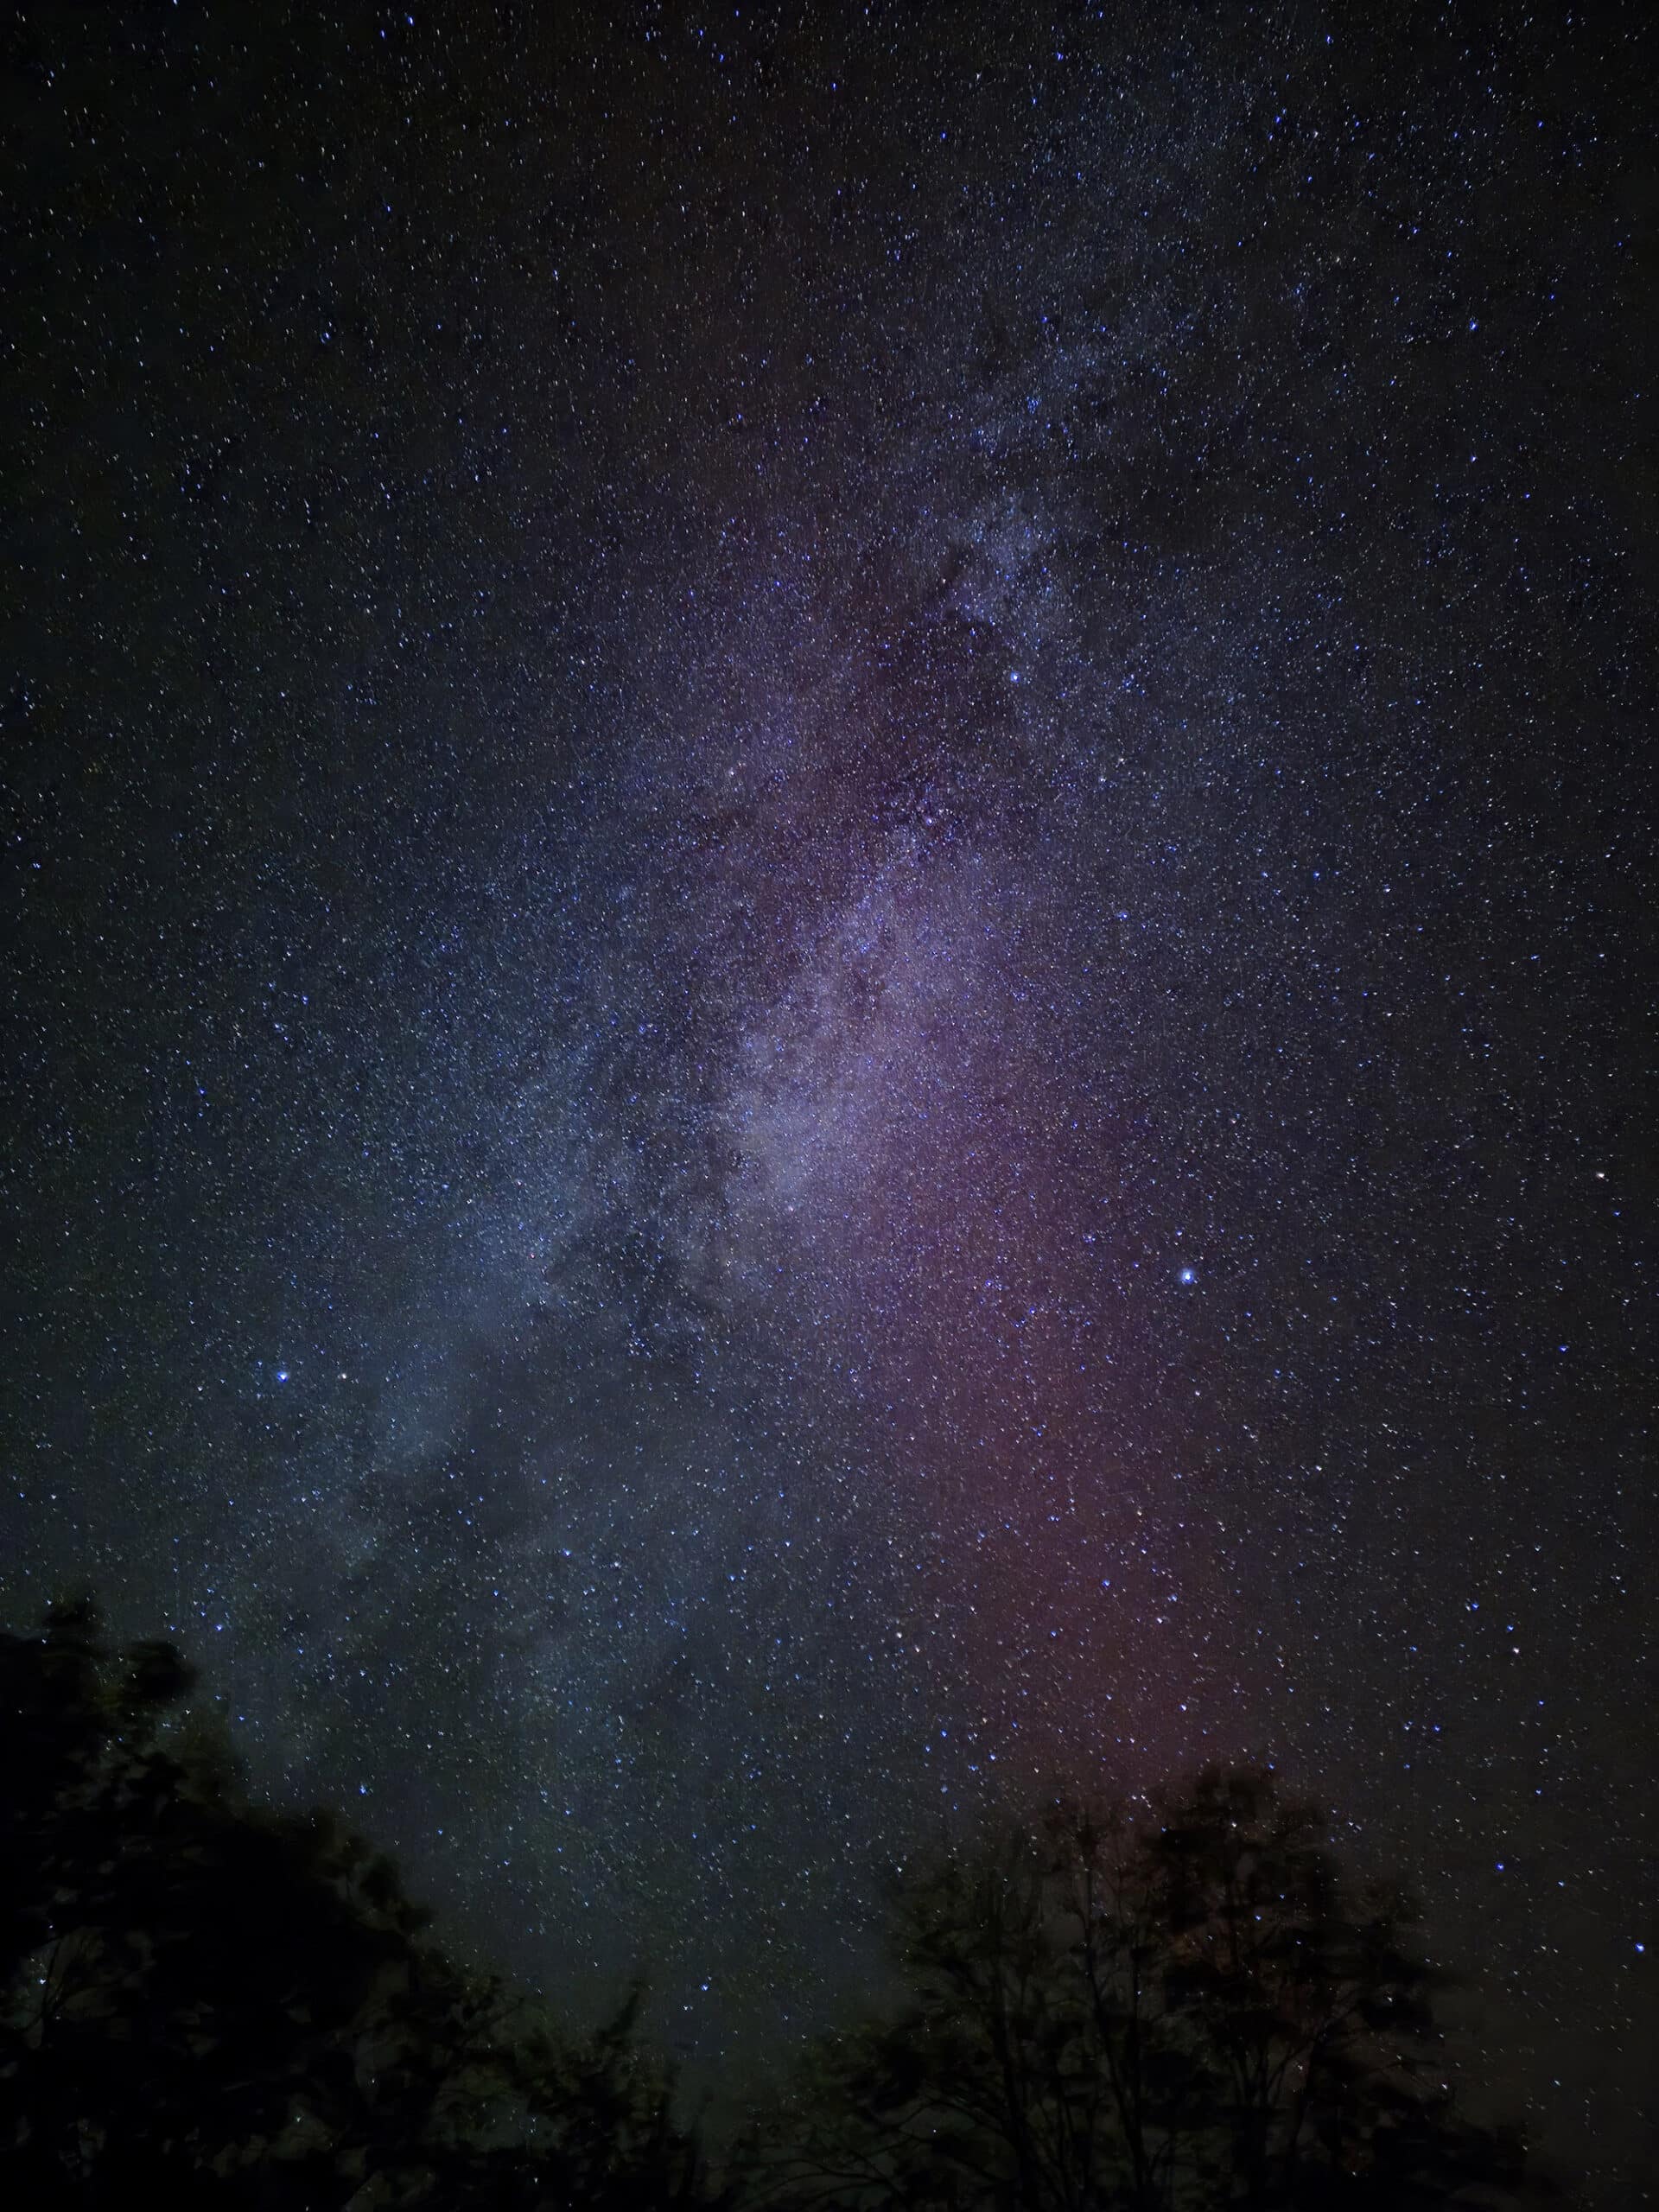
x=831, y=894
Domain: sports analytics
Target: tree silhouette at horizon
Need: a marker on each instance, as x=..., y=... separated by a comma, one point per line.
x=1179, y=2007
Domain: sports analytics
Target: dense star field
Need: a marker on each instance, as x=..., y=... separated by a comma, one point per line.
x=828, y=898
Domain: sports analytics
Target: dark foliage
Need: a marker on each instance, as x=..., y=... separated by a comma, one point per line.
x=209, y=2004
x=1191, y=2010
x=205, y=2003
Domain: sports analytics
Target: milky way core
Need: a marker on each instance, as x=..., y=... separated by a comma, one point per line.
x=828, y=875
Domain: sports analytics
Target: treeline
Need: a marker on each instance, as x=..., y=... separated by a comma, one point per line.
x=205, y=2003
x=1187, y=2011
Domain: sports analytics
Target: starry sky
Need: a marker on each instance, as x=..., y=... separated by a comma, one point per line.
x=827, y=885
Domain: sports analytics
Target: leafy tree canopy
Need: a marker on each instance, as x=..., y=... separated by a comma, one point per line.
x=1183, y=2006
x=205, y=2003
x=1184, y=2010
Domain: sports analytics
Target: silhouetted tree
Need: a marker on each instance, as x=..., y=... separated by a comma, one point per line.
x=205, y=2003
x=1188, y=2010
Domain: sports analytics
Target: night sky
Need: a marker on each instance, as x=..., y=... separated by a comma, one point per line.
x=828, y=890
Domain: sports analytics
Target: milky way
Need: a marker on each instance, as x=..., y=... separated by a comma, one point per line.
x=829, y=879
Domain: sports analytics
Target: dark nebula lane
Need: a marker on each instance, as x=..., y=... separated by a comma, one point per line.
x=828, y=883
